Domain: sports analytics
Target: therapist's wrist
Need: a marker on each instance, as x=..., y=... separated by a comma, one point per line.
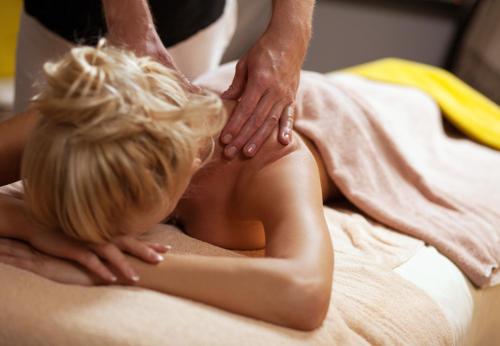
x=128, y=21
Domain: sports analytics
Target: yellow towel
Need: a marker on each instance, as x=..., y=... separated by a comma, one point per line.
x=467, y=109
x=9, y=17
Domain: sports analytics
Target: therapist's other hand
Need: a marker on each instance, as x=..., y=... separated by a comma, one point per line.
x=130, y=25
x=265, y=83
x=149, y=43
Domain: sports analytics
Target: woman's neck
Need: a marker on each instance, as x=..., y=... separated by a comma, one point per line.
x=217, y=159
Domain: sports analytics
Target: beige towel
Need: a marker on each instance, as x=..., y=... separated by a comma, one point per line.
x=385, y=148
x=370, y=304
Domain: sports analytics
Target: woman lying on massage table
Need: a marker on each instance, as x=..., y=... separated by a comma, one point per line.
x=120, y=146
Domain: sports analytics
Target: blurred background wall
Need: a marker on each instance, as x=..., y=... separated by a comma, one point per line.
x=478, y=58
x=461, y=35
x=350, y=32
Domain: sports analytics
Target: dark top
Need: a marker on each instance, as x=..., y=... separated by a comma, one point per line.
x=82, y=21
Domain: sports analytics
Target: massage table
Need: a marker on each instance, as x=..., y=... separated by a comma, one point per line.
x=425, y=300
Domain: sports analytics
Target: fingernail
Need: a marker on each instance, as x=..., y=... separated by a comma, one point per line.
x=168, y=247
x=251, y=149
x=155, y=256
x=227, y=138
x=162, y=247
x=286, y=137
x=113, y=278
x=132, y=274
x=231, y=151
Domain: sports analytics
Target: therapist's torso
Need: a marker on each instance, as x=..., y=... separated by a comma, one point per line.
x=83, y=22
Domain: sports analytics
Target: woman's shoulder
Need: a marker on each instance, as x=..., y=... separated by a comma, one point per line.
x=272, y=163
x=274, y=154
x=273, y=151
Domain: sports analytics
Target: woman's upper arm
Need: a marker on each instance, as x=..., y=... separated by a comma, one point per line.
x=286, y=196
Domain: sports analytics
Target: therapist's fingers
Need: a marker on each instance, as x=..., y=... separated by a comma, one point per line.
x=155, y=49
x=286, y=124
x=187, y=83
x=241, y=113
x=253, y=123
x=264, y=131
x=239, y=81
x=183, y=79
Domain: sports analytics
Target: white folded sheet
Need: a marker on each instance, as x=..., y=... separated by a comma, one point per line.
x=473, y=314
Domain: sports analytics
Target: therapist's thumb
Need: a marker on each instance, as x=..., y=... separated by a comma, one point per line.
x=238, y=85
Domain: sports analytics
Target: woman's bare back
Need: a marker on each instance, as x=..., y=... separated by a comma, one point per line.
x=212, y=209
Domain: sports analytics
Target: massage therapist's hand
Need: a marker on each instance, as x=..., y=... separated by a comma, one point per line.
x=130, y=24
x=149, y=44
x=266, y=80
x=91, y=256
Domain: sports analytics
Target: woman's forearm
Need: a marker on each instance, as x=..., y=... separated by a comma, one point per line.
x=263, y=288
x=13, y=220
x=14, y=134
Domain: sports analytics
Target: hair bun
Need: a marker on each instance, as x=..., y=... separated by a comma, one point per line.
x=105, y=93
x=95, y=88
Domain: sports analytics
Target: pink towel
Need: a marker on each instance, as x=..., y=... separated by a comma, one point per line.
x=385, y=148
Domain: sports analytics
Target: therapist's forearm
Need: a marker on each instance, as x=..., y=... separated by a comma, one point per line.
x=262, y=288
x=131, y=26
x=128, y=19
x=14, y=134
x=293, y=18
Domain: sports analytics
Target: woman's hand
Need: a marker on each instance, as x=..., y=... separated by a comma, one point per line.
x=91, y=256
x=18, y=254
x=15, y=223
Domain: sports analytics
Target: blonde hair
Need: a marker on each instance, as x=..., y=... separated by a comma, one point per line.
x=116, y=132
